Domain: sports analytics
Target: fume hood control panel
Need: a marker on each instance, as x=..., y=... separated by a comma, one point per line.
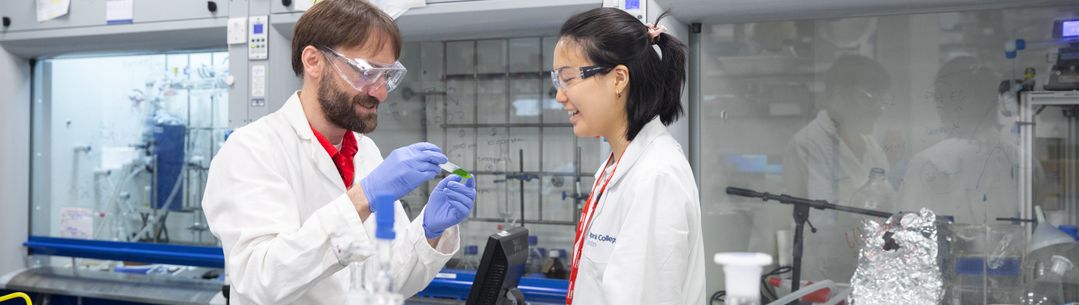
x=257, y=37
x=637, y=8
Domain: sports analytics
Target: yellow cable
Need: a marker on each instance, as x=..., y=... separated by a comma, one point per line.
x=17, y=295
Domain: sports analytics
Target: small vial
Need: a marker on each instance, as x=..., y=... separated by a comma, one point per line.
x=454, y=169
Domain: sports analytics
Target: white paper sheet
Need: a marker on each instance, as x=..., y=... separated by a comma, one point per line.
x=396, y=8
x=303, y=5
x=76, y=223
x=51, y=9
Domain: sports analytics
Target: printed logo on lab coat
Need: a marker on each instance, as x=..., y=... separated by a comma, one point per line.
x=595, y=239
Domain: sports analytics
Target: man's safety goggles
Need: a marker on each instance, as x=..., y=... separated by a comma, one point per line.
x=365, y=76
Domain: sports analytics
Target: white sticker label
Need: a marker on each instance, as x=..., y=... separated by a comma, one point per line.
x=76, y=223
x=258, y=81
x=119, y=11
x=237, y=30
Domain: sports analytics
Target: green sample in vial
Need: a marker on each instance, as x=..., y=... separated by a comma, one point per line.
x=456, y=170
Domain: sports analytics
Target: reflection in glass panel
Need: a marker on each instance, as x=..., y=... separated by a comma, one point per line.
x=487, y=119
x=460, y=57
x=525, y=55
x=491, y=56
x=460, y=101
x=552, y=110
x=461, y=147
x=491, y=99
x=525, y=99
x=124, y=143
x=809, y=108
x=559, y=160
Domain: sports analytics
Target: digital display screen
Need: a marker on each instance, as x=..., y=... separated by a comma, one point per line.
x=633, y=4
x=258, y=28
x=1069, y=29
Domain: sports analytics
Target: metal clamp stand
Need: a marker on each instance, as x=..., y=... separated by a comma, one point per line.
x=801, y=218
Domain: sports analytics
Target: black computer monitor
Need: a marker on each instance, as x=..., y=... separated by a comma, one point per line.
x=1067, y=29
x=501, y=268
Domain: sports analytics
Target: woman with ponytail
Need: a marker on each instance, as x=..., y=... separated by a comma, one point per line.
x=639, y=237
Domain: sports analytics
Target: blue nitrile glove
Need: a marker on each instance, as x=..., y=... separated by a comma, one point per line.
x=402, y=171
x=450, y=203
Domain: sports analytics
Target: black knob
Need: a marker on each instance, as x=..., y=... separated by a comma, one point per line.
x=286, y=2
x=212, y=6
x=7, y=21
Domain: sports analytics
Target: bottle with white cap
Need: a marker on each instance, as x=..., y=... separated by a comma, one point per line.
x=383, y=291
x=742, y=272
x=372, y=280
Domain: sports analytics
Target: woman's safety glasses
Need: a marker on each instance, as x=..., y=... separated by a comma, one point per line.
x=562, y=76
x=365, y=76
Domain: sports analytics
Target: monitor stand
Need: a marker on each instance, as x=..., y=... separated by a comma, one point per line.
x=513, y=297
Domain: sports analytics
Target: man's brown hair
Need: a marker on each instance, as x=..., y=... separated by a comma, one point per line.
x=337, y=23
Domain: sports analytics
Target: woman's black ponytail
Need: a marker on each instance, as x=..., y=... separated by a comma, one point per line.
x=611, y=37
x=673, y=67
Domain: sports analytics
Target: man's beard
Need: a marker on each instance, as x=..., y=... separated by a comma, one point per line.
x=340, y=108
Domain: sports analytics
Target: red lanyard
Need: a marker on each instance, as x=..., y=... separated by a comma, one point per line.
x=586, y=222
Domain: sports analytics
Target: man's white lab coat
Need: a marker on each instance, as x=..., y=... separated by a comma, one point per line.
x=276, y=201
x=973, y=181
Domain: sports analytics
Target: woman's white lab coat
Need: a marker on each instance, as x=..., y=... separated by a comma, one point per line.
x=276, y=201
x=645, y=244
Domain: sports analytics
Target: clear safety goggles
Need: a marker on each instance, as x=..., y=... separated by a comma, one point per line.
x=561, y=77
x=866, y=100
x=365, y=76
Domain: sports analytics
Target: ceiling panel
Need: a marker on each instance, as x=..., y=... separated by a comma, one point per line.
x=739, y=11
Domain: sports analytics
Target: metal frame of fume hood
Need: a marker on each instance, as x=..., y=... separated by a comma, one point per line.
x=1030, y=102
